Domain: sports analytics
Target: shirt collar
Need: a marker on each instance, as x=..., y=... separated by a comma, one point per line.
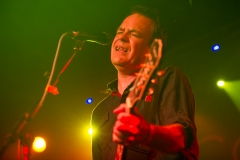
x=113, y=86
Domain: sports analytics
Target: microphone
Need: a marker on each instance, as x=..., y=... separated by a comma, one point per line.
x=100, y=38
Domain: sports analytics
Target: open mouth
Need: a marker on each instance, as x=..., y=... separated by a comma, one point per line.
x=118, y=48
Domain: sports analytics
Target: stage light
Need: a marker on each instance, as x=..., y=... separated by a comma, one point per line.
x=90, y=131
x=232, y=88
x=89, y=101
x=39, y=144
x=215, y=47
x=220, y=83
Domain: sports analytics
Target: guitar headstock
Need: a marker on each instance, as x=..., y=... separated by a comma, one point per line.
x=143, y=76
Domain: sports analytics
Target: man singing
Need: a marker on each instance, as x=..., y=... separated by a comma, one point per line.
x=161, y=125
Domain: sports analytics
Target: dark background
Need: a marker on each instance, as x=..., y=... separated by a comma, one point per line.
x=29, y=33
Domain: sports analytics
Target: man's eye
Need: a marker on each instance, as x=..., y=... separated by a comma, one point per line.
x=135, y=35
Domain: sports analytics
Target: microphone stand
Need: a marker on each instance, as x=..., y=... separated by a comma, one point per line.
x=15, y=134
x=26, y=141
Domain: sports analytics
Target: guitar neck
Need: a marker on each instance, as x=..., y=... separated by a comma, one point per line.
x=136, y=92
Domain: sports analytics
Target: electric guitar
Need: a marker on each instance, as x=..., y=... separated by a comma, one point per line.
x=142, y=78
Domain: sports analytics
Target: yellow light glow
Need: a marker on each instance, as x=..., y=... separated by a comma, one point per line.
x=90, y=131
x=232, y=88
x=39, y=144
x=220, y=83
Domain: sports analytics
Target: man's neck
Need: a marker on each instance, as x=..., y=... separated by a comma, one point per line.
x=124, y=81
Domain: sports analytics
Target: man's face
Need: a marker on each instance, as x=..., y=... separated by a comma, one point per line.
x=131, y=43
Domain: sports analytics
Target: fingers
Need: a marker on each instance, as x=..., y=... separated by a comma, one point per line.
x=128, y=119
x=124, y=134
x=126, y=141
x=129, y=128
x=126, y=129
x=120, y=108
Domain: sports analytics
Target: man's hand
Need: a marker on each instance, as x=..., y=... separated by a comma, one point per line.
x=129, y=129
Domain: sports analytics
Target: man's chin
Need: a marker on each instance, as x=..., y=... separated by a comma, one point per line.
x=127, y=70
x=119, y=64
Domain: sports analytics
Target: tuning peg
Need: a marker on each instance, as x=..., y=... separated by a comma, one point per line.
x=154, y=81
x=160, y=72
x=150, y=91
x=148, y=55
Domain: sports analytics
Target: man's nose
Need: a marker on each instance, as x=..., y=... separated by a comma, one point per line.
x=124, y=37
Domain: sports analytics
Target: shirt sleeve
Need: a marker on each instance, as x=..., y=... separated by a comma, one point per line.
x=177, y=103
